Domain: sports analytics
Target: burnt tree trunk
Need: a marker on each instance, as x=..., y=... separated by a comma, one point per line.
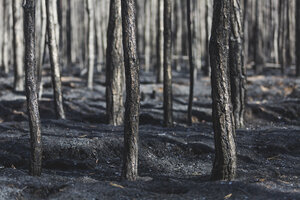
x=297, y=38
x=236, y=64
x=224, y=167
x=114, y=66
x=90, y=43
x=132, y=104
x=53, y=51
x=18, y=45
x=31, y=94
x=160, y=42
x=257, y=47
x=42, y=44
x=168, y=107
x=147, y=36
x=190, y=17
x=207, y=68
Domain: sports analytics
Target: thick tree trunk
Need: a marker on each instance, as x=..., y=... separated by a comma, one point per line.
x=41, y=48
x=190, y=20
x=160, y=42
x=91, y=41
x=224, y=167
x=18, y=45
x=168, y=107
x=236, y=65
x=115, y=66
x=32, y=101
x=54, y=60
x=132, y=105
x=297, y=38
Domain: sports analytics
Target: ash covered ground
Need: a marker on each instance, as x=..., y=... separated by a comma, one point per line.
x=82, y=155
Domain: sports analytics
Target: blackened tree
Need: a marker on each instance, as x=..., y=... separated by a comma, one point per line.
x=31, y=94
x=168, y=102
x=53, y=51
x=224, y=167
x=114, y=66
x=132, y=104
x=236, y=65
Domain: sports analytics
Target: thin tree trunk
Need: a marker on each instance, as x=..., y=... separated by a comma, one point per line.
x=168, y=107
x=236, y=64
x=55, y=69
x=32, y=101
x=6, y=36
x=297, y=38
x=91, y=45
x=18, y=45
x=132, y=105
x=258, y=52
x=147, y=35
x=224, y=167
x=207, y=68
x=42, y=44
x=160, y=42
x=115, y=66
x=1, y=31
x=288, y=35
x=190, y=19
x=246, y=34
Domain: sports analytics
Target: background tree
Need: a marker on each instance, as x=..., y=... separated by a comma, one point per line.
x=115, y=66
x=41, y=45
x=18, y=46
x=257, y=45
x=160, y=42
x=297, y=38
x=31, y=94
x=224, y=167
x=7, y=44
x=236, y=65
x=207, y=68
x=53, y=51
x=190, y=23
x=168, y=102
x=90, y=43
x=132, y=104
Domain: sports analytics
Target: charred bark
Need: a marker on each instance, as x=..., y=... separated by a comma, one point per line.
x=168, y=102
x=114, y=66
x=32, y=101
x=18, y=46
x=55, y=69
x=224, y=167
x=160, y=42
x=190, y=17
x=236, y=64
x=132, y=104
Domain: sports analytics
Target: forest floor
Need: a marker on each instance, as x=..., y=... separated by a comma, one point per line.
x=82, y=155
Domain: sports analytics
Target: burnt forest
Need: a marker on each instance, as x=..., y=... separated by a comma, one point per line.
x=149, y=99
